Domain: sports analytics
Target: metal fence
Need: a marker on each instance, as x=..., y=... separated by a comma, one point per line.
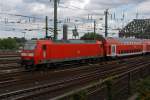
x=118, y=87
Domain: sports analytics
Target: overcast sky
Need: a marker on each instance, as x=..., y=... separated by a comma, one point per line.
x=44, y=7
x=74, y=9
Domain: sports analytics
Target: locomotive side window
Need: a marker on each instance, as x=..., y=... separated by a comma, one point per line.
x=44, y=47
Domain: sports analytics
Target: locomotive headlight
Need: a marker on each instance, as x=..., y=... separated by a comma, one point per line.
x=23, y=54
x=31, y=54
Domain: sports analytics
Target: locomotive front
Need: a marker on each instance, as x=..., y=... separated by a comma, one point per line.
x=27, y=54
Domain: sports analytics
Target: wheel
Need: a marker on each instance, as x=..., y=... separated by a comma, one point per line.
x=27, y=67
x=30, y=68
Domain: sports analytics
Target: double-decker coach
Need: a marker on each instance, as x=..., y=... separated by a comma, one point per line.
x=146, y=46
x=123, y=47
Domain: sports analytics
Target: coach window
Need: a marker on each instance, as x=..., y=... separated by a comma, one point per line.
x=119, y=51
x=125, y=51
x=130, y=51
x=101, y=45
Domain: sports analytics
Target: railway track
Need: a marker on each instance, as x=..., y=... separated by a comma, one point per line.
x=6, y=52
x=47, y=83
x=9, y=62
x=81, y=81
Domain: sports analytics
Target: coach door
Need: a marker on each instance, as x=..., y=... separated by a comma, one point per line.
x=113, y=50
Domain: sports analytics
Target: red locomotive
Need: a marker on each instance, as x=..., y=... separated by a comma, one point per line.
x=45, y=52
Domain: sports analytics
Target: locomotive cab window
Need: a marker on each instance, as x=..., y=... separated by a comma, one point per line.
x=30, y=45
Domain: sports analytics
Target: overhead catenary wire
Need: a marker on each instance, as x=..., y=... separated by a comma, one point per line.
x=71, y=20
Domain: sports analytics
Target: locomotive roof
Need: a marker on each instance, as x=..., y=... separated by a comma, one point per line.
x=31, y=41
x=75, y=41
x=64, y=41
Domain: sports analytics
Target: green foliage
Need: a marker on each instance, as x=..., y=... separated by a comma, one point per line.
x=143, y=88
x=79, y=96
x=20, y=41
x=92, y=36
x=10, y=43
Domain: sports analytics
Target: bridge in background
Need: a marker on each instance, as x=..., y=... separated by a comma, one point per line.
x=139, y=28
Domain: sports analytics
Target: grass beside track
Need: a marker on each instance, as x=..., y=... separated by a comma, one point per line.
x=142, y=88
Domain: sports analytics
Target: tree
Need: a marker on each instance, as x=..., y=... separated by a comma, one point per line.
x=92, y=36
x=8, y=44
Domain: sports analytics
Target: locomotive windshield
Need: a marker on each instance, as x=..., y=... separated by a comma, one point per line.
x=30, y=45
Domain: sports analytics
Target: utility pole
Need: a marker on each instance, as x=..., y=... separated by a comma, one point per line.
x=137, y=15
x=55, y=19
x=24, y=35
x=106, y=23
x=94, y=29
x=46, y=27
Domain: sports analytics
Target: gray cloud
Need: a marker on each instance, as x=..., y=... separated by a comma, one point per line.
x=41, y=7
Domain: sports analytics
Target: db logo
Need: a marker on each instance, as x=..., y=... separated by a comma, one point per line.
x=78, y=52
